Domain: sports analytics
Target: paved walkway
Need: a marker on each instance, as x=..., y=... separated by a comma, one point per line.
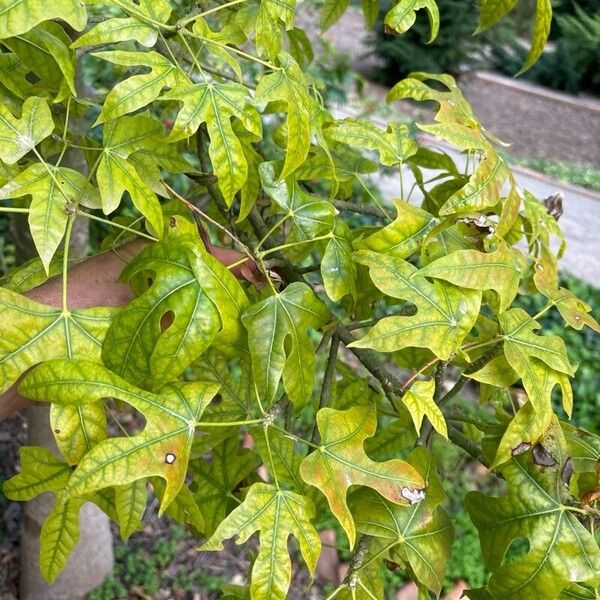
x=580, y=220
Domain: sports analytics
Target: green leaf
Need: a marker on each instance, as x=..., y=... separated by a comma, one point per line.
x=338, y=270
x=270, y=13
x=419, y=401
x=216, y=104
x=500, y=271
x=59, y=536
x=445, y=314
x=341, y=462
x=19, y=16
x=139, y=90
x=332, y=12
x=482, y=190
x=225, y=292
x=280, y=455
x=116, y=174
x=77, y=428
x=541, y=30
x=312, y=216
x=536, y=507
x=19, y=136
x=403, y=15
x=491, y=11
x=54, y=191
x=34, y=332
x=279, y=343
x=130, y=502
x=162, y=449
x=160, y=333
x=420, y=535
x=277, y=514
x=403, y=235
x=215, y=481
x=394, y=145
x=42, y=472
x=522, y=433
x=288, y=85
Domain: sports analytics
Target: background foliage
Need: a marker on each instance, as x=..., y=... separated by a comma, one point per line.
x=338, y=344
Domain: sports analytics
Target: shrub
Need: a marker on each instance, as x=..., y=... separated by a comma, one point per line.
x=262, y=311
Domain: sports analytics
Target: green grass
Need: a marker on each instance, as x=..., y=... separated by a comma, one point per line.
x=583, y=175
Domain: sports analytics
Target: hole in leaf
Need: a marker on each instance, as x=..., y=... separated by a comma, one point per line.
x=123, y=419
x=166, y=320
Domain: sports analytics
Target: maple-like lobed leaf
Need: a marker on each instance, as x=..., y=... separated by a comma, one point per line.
x=445, y=313
x=420, y=534
x=19, y=136
x=35, y=332
x=279, y=343
x=500, y=271
x=341, y=462
x=536, y=507
x=19, y=16
x=163, y=447
x=276, y=514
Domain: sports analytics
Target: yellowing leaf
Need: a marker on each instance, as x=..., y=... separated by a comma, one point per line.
x=77, y=428
x=445, y=314
x=402, y=236
x=277, y=514
x=216, y=104
x=279, y=343
x=19, y=16
x=270, y=12
x=453, y=108
x=288, y=84
x=162, y=449
x=130, y=28
x=536, y=507
x=341, y=462
x=130, y=502
x=520, y=343
x=394, y=145
x=139, y=90
x=419, y=401
x=491, y=11
x=500, y=271
x=522, y=433
x=482, y=190
x=116, y=174
x=403, y=15
x=33, y=332
x=420, y=535
x=54, y=191
x=19, y=136
x=541, y=30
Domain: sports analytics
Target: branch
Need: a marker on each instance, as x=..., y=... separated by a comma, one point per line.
x=363, y=209
x=462, y=441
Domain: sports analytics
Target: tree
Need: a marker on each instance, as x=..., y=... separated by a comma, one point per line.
x=203, y=127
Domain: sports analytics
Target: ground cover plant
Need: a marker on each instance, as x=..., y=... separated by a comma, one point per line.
x=200, y=130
